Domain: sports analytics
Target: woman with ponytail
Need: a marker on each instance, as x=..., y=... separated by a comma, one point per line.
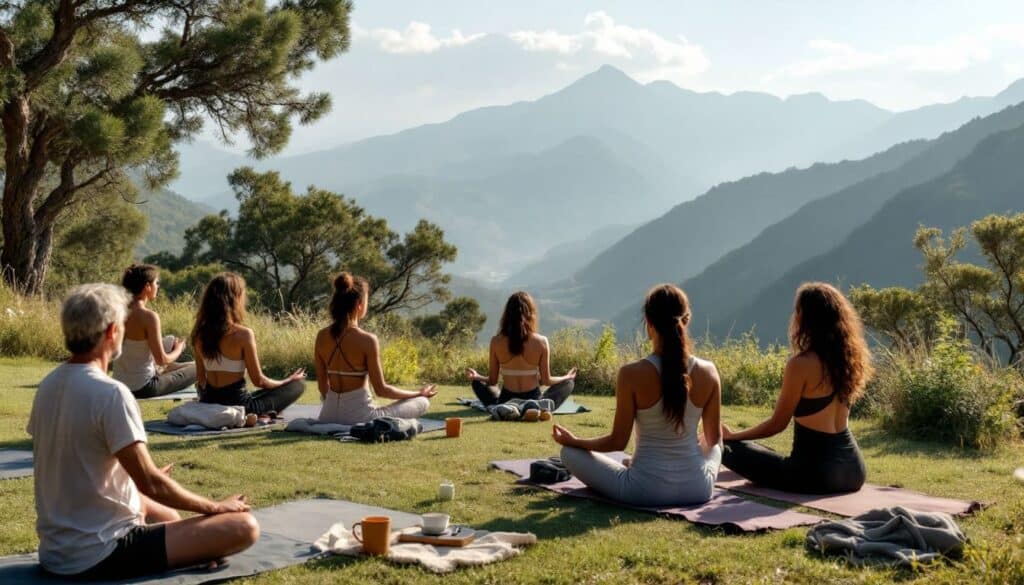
x=665, y=397
x=226, y=350
x=826, y=375
x=522, y=357
x=148, y=363
x=346, y=357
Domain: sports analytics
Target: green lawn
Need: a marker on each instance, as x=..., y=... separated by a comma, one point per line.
x=580, y=541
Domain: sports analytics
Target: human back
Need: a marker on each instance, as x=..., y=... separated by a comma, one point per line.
x=520, y=372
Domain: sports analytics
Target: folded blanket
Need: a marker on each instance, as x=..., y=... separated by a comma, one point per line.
x=889, y=536
x=312, y=426
x=488, y=547
x=209, y=416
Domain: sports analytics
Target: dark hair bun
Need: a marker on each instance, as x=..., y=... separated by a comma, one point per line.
x=343, y=282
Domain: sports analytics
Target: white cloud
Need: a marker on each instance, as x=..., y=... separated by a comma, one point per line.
x=953, y=55
x=651, y=55
x=417, y=38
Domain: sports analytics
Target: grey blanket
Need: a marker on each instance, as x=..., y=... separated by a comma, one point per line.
x=889, y=536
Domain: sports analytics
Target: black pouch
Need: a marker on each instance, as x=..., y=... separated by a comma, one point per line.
x=548, y=471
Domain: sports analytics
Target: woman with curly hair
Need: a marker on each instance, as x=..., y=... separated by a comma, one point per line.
x=826, y=375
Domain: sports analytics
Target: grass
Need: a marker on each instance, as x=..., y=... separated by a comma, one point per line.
x=580, y=541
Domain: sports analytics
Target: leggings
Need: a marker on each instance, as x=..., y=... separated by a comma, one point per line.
x=169, y=381
x=259, y=402
x=637, y=487
x=357, y=406
x=489, y=395
x=820, y=463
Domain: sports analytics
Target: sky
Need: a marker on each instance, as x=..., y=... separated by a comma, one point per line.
x=413, y=62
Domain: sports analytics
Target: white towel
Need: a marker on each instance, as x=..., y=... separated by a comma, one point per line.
x=488, y=547
x=209, y=416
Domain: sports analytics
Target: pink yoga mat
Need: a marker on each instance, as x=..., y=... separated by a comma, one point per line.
x=851, y=504
x=724, y=509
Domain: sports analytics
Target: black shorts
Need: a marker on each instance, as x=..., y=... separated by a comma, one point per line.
x=142, y=551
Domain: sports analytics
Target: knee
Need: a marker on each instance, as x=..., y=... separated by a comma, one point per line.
x=570, y=455
x=246, y=529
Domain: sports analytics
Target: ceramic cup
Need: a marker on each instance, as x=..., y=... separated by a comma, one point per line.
x=374, y=532
x=435, y=523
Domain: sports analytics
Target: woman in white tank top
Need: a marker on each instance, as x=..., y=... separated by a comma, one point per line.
x=666, y=397
x=148, y=362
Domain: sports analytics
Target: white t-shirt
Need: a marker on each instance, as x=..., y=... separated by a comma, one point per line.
x=85, y=500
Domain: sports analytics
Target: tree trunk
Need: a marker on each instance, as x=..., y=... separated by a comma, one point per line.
x=25, y=165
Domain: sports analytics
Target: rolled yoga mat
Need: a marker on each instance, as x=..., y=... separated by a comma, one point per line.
x=723, y=509
x=856, y=503
x=287, y=532
x=15, y=463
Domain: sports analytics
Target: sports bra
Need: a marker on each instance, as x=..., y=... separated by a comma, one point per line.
x=223, y=364
x=808, y=406
x=352, y=370
x=511, y=372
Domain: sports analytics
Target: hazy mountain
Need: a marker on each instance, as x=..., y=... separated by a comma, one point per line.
x=529, y=204
x=734, y=281
x=929, y=121
x=881, y=252
x=169, y=216
x=565, y=259
x=691, y=236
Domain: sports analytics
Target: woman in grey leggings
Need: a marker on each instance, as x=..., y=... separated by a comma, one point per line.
x=148, y=362
x=665, y=396
x=522, y=357
x=346, y=357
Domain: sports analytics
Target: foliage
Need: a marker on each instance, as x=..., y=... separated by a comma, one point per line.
x=906, y=317
x=289, y=246
x=749, y=375
x=86, y=97
x=95, y=241
x=458, y=322
x=946, y=394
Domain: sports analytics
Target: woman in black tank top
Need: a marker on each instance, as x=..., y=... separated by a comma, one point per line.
x=829, y=352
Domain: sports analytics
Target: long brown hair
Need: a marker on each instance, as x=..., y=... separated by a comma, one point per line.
x=348, y=291
x=824, y=322
x=222, y=305
x=667, y=310
x=137, y=276
x=519, y=321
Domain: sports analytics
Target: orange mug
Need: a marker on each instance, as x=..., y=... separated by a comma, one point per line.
x=453, y=427
x=374, y=534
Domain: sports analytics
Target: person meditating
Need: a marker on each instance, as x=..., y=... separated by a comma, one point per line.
x=522, y=357
x=148, y=363
x=347, y=356
x=826, y=375
x=665, y=397
x=226, y=349
x=104, y=509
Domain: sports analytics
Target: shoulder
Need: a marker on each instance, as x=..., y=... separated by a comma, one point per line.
x=704, y=371
x=243, y=333
x=323, y=335
x=637, y=370
x=540, y=339
x=804, y=362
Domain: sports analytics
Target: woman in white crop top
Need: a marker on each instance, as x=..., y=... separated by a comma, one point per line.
x=347, y=357
x=148, y=363
x=226, y=350
x=666, y=398
x=521, y=356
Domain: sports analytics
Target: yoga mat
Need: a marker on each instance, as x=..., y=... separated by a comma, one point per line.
x=15, y=463
x=186, y=394
x=287, y=532
x=851, y=504
x=428, y=425
x=570, y=406
x=723, y=509
x=292, y=412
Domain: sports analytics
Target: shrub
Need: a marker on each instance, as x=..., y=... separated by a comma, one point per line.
x=400, y=359
x=947, y=394
x=748, y=374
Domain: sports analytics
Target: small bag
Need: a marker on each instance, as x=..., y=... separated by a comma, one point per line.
x=547, y=471
x=386, y=429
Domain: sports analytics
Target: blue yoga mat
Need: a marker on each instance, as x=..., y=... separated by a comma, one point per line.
x=15, y=463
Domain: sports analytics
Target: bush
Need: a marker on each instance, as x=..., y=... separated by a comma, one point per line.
x=947, y=394
x=749, y=375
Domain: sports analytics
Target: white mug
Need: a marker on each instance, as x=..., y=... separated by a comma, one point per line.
x=435, y=523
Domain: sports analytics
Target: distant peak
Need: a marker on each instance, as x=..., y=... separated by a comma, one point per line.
x=605, y=75
x=1014, y=91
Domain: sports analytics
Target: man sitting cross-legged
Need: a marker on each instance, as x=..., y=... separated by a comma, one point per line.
x=104, y=509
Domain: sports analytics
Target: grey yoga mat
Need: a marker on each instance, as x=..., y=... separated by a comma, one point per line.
x=291, y=413
x=312, y=426
x=287, y=532
x=185, y=394
x=570, y=406
x=15, y=463
x=723, y=509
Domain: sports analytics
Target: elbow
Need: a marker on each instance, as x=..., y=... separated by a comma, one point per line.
x=617, y=443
